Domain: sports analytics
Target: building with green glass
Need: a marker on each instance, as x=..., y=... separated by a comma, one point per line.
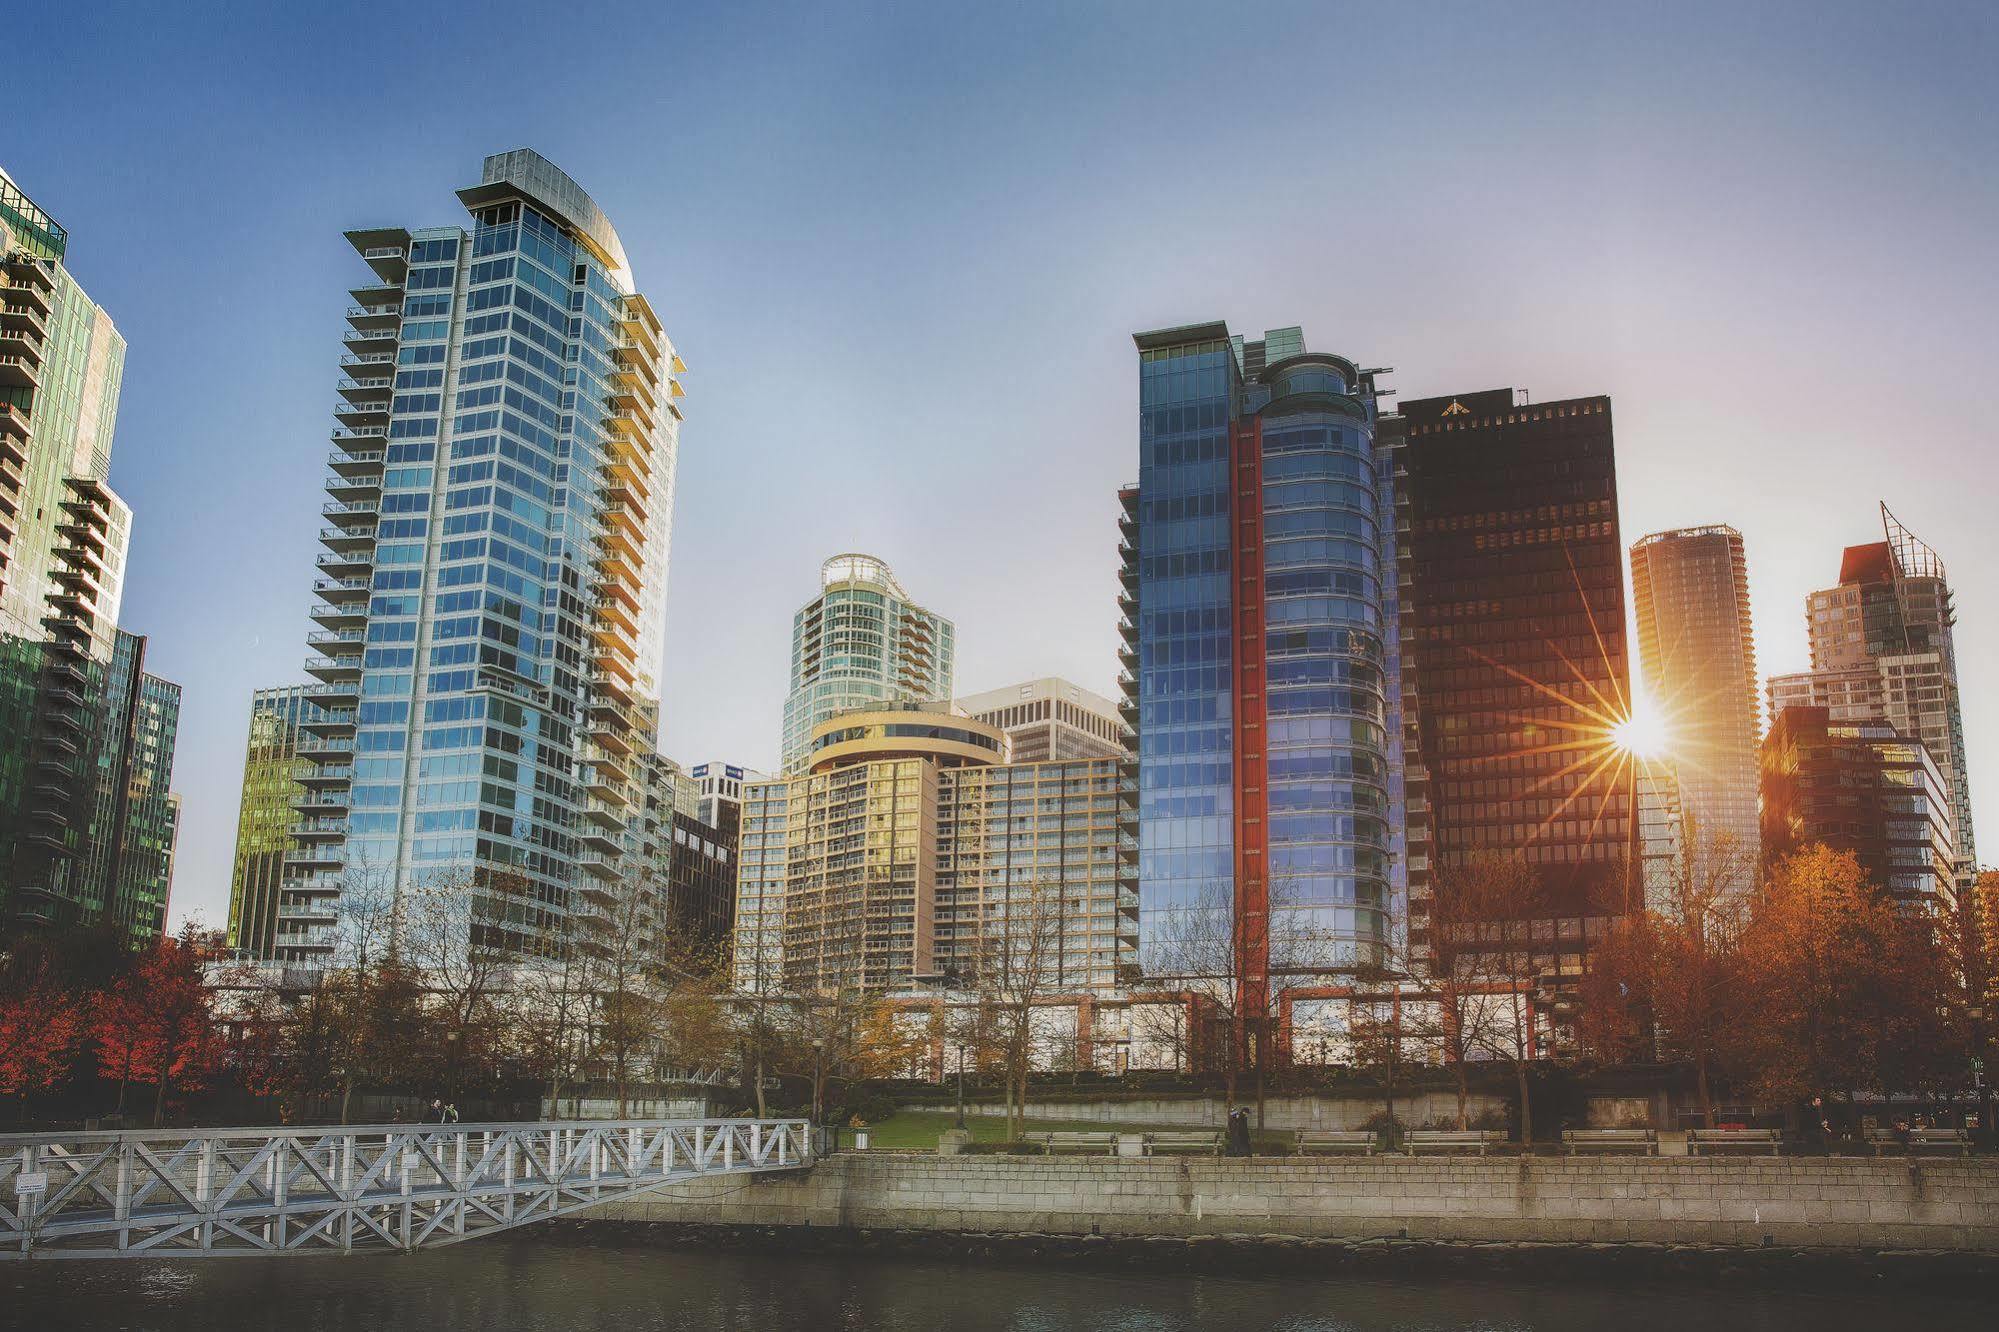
x=87, y=818
x=272, y=767
x=861, y=643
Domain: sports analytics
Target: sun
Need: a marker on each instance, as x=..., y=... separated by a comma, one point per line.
x=1642, y=734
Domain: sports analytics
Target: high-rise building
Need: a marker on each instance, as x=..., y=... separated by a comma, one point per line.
x=87, y=819
x=721, y=786
x=861, y=643
x=1690, y=590
x=1864, y=787
x=691, y=858
x=271, y=771
x=1883, y=647
x=1051, y=719
x=496, y=543
x=1255, y=652
x=909, y=841
x=1514, y=664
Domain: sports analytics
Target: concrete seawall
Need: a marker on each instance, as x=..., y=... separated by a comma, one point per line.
x=1840, y=1204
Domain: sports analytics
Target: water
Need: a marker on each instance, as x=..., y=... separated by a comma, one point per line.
x=525, y=1285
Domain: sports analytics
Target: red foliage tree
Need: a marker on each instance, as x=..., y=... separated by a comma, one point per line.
x=157, y=1023
x=39, y=1029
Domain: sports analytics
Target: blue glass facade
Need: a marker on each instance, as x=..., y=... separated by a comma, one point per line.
x=1186, y=802
x=1284, y=763
x=497, y=563
x=1326, y=723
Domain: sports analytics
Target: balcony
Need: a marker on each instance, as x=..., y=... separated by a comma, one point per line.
x=365, y=317
x=327, y=774
x=22, y=289
x=311, y=855
x=367, y=361
x=325, y=748
x=18, y=371
x=390, y=262
x=383, y=292
x=363, y=489
x=346, y=565
x=361, y=413
x=335, y=695
x=21, y=342
x=330, y=639
x=23, y=314
x=322, y=802
x=13, y=424
x=342, y=591
x=595, y=838
x=355, y=439
x=319, y=829
x=350, y=540
x=362, y=340
x=600, y=864
x=334, y=670
x=347, y=512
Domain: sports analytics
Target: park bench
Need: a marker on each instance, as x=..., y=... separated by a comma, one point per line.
x=1084, y=1143
x=1481, y=1141
x=1763, y=1142
x=1329, y=1142
x=1643, y=1142
x=1921, y=1140
x=1191, y=1142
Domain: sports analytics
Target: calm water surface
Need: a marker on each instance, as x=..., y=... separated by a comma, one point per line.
x=523, y=1285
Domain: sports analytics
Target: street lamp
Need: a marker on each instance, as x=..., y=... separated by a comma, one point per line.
x=818, y=1063
x=1977, y=1014
x=961, y=1085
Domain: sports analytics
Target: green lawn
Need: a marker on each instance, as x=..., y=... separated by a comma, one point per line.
x=912, y=1130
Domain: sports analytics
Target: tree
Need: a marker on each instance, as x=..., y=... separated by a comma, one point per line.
x=1016, y=968
x=457, y=930
x=157, y=1023
x=1818, y=955
x=1483, y=915
x=888, y=1045
x=40, y=1026
x=551, y=1004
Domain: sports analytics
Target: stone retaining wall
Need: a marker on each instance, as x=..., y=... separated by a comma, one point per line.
x=1929, y=1204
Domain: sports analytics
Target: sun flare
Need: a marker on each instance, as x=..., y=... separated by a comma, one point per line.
x=1642, y=734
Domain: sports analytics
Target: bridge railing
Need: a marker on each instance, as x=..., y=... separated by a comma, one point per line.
x=384, y=1185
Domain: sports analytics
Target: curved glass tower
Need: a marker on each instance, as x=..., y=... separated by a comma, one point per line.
x=861, y=643
x=487, y=641
x=1257, y=651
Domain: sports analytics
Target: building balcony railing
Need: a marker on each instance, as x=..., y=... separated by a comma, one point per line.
x=17, y=371
x=384, y=359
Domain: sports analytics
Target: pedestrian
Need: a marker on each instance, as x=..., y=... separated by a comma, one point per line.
x=435, y=1115
x=1238, y=1132
x=396, y=1117
x=451, y=1112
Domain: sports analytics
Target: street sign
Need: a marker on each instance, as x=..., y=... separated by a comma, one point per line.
x=25, y=1182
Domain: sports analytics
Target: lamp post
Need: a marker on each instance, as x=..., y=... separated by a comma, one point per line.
x=961, y=1085
x=1978, y=1014
x=818, y=1064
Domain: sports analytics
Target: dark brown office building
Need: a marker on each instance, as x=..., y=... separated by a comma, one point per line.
x=1513, y=653
x=1864, y=787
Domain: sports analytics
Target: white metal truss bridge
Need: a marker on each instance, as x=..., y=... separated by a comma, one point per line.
x=319, y=1190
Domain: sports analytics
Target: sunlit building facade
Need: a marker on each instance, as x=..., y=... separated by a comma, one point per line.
x=861, y=643
x=1256, y=652
x=1051, y=719
x=1864, y=787
x=909, y=843
x=492, y=587
x=1513, y=655
x=272, y=767
x=1690, y=590
x=1883, y=647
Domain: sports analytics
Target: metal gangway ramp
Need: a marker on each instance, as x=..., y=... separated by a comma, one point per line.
x=235, y=1191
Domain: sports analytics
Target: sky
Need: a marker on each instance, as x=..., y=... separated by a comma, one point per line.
x=903, y=249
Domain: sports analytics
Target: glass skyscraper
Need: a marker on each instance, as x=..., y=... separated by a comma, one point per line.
x=488, y=636
x=271, y=769
x=861, y=643
x=87, y=820
x=1255, y=649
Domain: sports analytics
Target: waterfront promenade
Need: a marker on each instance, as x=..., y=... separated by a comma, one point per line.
x=1838, y=1203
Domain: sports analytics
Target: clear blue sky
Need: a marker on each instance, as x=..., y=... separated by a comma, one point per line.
x=903, y=251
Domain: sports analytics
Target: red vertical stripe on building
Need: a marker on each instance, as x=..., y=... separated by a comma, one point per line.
x=1251, y=767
